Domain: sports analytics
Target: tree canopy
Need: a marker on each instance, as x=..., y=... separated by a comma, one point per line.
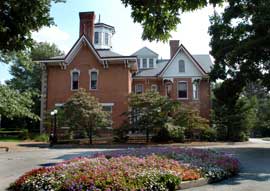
x=15, y=104
x=84, y=111
x=160, y=17
x=19, y=19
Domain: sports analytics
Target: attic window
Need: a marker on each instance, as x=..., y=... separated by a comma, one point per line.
x=181, y=66
x=144, y=64
x=151, y=63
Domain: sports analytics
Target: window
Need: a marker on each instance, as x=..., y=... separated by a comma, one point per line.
x=151, y=63
x=195, y=87
x=154, y=87
x=144, y=64
x=139, y=63
x=96, y=37
x=108, y=108
x=93, y=80
x=182, y=90
x=181, y=66
x=138, y=88
x=75, y=80
x=106, y=39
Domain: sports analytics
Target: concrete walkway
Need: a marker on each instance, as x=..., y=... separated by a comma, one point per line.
x=254, y=157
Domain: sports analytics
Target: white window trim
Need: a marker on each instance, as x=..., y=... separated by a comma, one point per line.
x=89, y=72
x=178, y=90
x=179, y=66
x=107, y=104
x=136, y=85
x=198, y=90
x=149, y=62
x=71, y=79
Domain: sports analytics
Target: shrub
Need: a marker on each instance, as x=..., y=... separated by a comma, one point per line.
x=41, y=138
x=176, y=133
x=120, y=134
x=191, y=121
x=209, y=134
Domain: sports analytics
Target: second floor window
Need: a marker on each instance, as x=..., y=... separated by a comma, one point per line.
x=144, y=64
x=96, y=37
x=151, y=63
x=195, y=87
x=182, y=90
x=93, y=80
x=75, y=80
x=181, y=66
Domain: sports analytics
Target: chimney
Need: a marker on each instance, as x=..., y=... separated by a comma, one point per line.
x=87, y=20
x=174, y=44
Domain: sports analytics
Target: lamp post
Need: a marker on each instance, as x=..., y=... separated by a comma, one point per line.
x=53, y=136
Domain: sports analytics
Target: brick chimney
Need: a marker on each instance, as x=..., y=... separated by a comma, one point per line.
x=174, y=44
x=87, y=20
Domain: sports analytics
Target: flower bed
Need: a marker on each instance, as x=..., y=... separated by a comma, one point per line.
x=132, y=169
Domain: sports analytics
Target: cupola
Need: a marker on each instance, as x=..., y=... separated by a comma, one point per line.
x=103, y=35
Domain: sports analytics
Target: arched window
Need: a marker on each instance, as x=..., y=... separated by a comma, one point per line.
x=75, y=79
x=181, y=64
x=93, y=79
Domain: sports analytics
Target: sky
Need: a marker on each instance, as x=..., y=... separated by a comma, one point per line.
x=192, y=32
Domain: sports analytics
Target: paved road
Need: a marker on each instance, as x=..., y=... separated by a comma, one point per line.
x=255, y=159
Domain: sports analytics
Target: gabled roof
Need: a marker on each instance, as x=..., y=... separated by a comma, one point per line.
x=102, y=54
x=145, y=51
x=182, y=48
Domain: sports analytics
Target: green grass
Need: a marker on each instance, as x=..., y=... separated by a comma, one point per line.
x=8, y=139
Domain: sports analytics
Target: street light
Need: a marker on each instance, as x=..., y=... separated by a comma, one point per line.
x=53, y=136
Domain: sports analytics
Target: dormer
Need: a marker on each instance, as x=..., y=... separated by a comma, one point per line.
x=103, y=35
x=147, y=59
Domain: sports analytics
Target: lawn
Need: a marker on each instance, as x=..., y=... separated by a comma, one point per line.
x=8, y=139
x=132, y=169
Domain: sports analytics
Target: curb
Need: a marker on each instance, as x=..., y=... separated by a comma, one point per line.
x=194, y=183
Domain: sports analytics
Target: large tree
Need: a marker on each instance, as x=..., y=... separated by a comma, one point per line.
x=83, y=111
x=26, y=76
x=19, y=19
x=15, y=104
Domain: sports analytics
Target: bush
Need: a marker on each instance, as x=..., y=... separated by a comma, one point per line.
x=168, y=133
x=209, y=134
x=120, y=134
x=41, y=138
x=191, y=121
x=176, y=133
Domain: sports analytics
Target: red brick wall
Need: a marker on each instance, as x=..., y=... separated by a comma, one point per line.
x=203, y=104
x=114, y=83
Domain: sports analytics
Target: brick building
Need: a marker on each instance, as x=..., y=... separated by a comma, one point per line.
x=111, y=77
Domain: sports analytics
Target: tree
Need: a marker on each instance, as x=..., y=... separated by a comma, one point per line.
x=150, y=110
x=19, y=19
x=84, y=111
x=160, y=17
x=26, y=75
x=241, y=43
x=15, y=104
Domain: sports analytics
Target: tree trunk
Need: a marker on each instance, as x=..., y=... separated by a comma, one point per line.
x=147, y=134
x=90, y=135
